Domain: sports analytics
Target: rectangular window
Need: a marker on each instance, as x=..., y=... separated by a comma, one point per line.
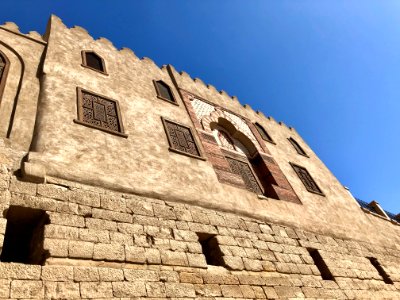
x=99, y=112
x=23, y=240
x=307, y=180
x=320, y=264
x=181, y=139
x=380, y=270
x=210, y=249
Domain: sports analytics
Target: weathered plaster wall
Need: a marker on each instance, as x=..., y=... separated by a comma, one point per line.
x=20, y=98
x=142, y=164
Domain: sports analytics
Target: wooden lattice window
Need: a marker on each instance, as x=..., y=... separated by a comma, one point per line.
x=264, y=134
x=243, y=169
x=297, y=146
x=164, y=91
x=92, y=60
x=181, y=139
x=307, y=180
x=100, y=112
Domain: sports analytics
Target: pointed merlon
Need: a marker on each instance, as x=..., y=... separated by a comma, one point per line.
x=79, y=28
x=35, y=35
x=211, y=87
x=198, y=80
x=128, y=52
x=222, y=92
x=247, y=106
x=184, y=74
x=149, y=61
x=106, y=42
x=11, y=26
x=260, y=113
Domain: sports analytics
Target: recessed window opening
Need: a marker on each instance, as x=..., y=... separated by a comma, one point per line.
x=264, y=134
x=297, y=146
x=380, y=270
x=93, y=61
x=23, y=240
x=164, y=91
x=320, y=264
x=210, y=248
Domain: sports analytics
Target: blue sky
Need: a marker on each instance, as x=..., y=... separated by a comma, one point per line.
x=331, y=69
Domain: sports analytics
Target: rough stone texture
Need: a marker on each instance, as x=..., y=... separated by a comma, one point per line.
x=126, y=214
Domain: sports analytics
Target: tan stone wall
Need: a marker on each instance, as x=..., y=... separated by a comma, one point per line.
x=20, y=98
x=124, y=213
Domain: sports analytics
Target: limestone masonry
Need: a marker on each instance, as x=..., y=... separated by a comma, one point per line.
x=121, y=180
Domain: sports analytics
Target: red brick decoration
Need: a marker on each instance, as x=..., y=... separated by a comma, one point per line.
x=269, y=178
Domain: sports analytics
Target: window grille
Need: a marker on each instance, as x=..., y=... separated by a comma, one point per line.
x=243, y=169
x=264, y=134
x=181, y=138
x=164, y=91
x=297, y=147
x=307, y=180
x=99, y=112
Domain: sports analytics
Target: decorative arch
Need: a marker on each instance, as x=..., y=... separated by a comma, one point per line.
x=234, y=124
x=4, y=66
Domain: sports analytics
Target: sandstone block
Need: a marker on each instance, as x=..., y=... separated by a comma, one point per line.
x=93, y=235
x=53, y=191
x=111, y=215
x=231, y=291
x=130, y=228
x=226, y=240
x=152, y=256
x=185, y=235
x=61, y=232
x=79, y=249
x=155, y=289
x=99, y=224
x=172, y=258
x=84, y=198
x=164, y=211
x=5, y=288
x=247, y=291
x=289, y=292
x=121, y=238
x=270, y=292
x=197, y=260
x=129, y=289
x=27, y=289
x=252, y=265
x=96, y=289
x=233, y=263
x=259, y=292
x=208, y=290
x=135, y=254
x=56, y=247
x=86, y=274
x=19, y=271
x=22, y=187
x=110, y=252
x=179, y=290
x=57, y=273
x=141, y=275
x=61, y=290
x=220, y=278
x=114, y=203
x=111, y=274
x=139, y=207
x=169, y=276
x=188, y=277
x=66, y=219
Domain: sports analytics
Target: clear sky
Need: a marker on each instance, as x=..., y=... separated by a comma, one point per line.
x=331, y=69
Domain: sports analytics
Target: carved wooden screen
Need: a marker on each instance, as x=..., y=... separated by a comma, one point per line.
x=180, y=138
x=243, y=169
x=307, y=180
x=297, y=147
x=99, y=112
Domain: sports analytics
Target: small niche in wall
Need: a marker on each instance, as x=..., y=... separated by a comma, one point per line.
x=320, y=264
x=23, y=240
x=380, y=270
x=210, y=248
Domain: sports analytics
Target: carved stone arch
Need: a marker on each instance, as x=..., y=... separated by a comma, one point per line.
x=235, y=134
x=219, y=116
